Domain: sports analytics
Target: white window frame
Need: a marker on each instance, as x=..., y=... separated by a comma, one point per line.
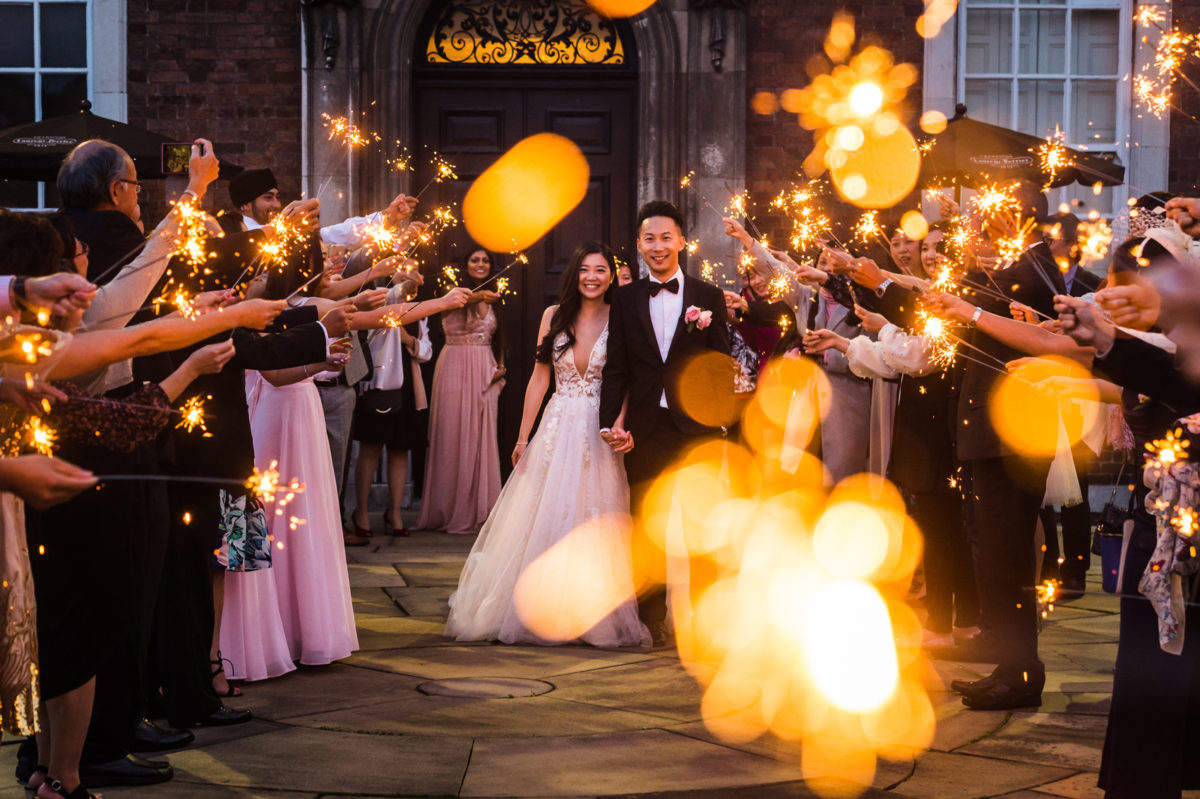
x=105, y=21
x=1144, y=145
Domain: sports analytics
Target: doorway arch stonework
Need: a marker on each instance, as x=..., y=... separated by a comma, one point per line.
x=359, y=55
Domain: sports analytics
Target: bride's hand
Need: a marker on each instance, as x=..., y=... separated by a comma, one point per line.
x=518, y=452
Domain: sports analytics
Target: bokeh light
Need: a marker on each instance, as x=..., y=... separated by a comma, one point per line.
x=933, y=122
x=620, y=8
x=914, y=225
x=525, y=193
x=1026, y=414
x=881, y=172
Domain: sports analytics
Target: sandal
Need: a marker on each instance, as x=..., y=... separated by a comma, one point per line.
x=401, y=531
x=219, y=668
x=37, y=777
x=54, y=787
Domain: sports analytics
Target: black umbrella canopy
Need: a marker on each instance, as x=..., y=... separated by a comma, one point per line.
x=34, y=151
x=972, y=152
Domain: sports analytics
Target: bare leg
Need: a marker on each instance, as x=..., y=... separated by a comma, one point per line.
x=364, y=471
x=397, y=474
x=220, y=683
x=67, y=716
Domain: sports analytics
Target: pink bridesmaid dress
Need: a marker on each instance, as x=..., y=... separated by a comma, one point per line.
x=462, y=475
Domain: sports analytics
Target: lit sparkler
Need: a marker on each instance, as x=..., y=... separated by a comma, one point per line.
x=349, y=134
x=1095, y=239
x=1053, y=156
x=1047, y=591
x=32, y=346
x=1186, y=521
x=868, y=226
x=193, y=416
x=39, y=437
x=1169, y=449
x=267, y=486
x=443, y=170
x=936, y=332
x=686, y=180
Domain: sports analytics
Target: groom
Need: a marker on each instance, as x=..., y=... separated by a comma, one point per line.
x=650, y=343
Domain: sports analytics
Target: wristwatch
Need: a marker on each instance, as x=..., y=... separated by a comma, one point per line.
x=975, y=316
x=882, y=287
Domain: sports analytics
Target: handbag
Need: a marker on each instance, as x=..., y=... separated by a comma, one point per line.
x=245, y=540
x=1112, y=518
x=382, y=400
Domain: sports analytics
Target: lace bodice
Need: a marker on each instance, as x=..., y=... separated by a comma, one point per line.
x=467, y=328
x=566, y=376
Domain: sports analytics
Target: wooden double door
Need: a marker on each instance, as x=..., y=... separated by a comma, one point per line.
x=471, y=123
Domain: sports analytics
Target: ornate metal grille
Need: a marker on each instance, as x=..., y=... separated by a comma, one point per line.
x=545, y=32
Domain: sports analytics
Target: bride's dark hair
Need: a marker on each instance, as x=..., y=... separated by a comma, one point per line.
x=570, y=300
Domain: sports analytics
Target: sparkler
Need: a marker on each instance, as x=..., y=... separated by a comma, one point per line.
x=41, y=438
x=518, y=258
x=267, y=485
x=1053, y=156
x=193, y=416
x=31, y=346
x=1169, y=449
x=1095, y=238
x=443, y=170
x=346, y=133
x=1186, y=521
x=1046, y=593
x=686, y=180
x=936, y=331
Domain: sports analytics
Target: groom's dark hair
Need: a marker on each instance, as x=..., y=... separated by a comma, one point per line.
x=660, y=208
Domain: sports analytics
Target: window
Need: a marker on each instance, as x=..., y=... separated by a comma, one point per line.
x=45, y=71
x=1039, y=67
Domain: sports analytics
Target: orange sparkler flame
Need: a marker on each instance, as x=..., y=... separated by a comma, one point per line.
x=686, y=180
x=32, y=346
x=1169, y=449
x=868, y=226
x=1186, y=521
x=193, y=416
x=346, y=132
x=1053, y=156
x=41, y=438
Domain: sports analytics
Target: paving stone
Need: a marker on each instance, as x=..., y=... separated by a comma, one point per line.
x=958, y=726
x=179, y=789
x=424, y=575
x=1058, y=739
x=604, y=765
x=307, y=760
x=422, y=601
x=455, y=660
x=485, y=687
x=954, y=775
x=661, y=686
x=1080, y=786
x=388, y=632
x=315, y=690
x=374, y=575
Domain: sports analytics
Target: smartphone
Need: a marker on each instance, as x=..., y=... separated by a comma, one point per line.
x=175, y=157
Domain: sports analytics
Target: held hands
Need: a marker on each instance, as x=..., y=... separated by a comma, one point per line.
x=816, y=341
x=618, y=438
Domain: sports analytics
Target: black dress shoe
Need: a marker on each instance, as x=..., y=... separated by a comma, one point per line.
x=129, y=770
x=150, y=737
x=1002, y=695
x=1070, y=588
x=223, y=717
x=974, y=686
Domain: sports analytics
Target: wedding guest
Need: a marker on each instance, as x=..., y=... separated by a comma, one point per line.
x=391, y=412
x=462, y=473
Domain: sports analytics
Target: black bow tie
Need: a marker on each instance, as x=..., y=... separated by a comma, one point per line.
x=671, y=285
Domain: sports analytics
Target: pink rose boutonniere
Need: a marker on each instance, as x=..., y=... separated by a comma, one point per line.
x=697, y=318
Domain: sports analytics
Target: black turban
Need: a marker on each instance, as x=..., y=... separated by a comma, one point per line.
x=250, y=184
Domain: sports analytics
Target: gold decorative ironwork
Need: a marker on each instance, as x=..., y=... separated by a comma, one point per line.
x=545, y=32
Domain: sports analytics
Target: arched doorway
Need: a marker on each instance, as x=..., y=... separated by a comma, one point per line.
x=488, y=73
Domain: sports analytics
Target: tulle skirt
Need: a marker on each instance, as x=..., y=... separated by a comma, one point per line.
x=552, y=562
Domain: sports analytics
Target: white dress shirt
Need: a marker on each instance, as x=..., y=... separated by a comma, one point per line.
x=665, y=309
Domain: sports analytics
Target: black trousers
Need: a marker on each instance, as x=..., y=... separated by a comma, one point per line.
x=1154, y=720
x=950, y=595
x=184, y=618
x=652, y=454
x=1006, y=494
x=120, y=697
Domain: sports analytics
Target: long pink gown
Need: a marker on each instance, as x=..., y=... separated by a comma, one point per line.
x=462, y=475
x=300, y=609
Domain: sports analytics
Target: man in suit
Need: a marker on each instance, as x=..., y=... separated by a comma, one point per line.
x=1063, y=240
x=650, y=345
x=1005, y=488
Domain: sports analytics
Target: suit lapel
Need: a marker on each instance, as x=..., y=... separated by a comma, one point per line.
x=642, y=306
x=691, y=290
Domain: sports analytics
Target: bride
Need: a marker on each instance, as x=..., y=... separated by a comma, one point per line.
x=552, y=561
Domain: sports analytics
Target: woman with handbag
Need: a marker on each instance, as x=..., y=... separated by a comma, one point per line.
x=392, y=411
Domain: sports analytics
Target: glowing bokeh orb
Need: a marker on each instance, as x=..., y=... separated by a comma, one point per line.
x=620, y=8
x=933, y=122
x=914, y=225
x=525, y=193
x=882, y=171
x=850, y=138
x=866, y=98
x=854, y=665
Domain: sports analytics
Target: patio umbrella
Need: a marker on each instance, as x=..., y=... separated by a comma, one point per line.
x=970, y=152
x=34, y=151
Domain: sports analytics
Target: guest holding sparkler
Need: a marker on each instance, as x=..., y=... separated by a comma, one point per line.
x=462, y=477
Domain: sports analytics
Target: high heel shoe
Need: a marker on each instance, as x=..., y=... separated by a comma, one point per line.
x=402, y=531
x=218, y=667
x=362, y=532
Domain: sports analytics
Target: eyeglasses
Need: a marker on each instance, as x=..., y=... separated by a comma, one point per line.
x=137, y=187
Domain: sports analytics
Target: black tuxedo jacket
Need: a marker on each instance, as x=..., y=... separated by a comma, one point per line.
x=1022, y=282
x=293, y=340
x=1084, y=283
x=635, y=367
x=1139, y=366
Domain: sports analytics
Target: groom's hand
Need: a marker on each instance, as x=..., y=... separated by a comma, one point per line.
x=620, y=440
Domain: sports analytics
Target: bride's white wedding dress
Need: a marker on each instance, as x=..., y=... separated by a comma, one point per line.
x=569, y=489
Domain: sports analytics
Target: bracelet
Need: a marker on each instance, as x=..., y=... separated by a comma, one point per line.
x=975, y=316
x=305, y=368
x=522, y=443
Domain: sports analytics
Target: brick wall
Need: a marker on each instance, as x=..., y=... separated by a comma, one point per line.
x=782, y=38
x=225, y=70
